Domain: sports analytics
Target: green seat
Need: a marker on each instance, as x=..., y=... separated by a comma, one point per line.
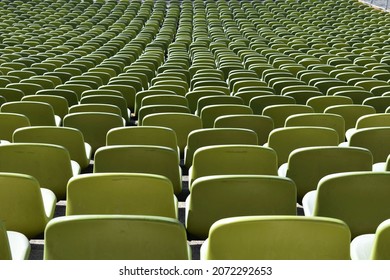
x=277, y=238
x=351, y=113
x=279, y=113
x=78, y=89
x=142, y=94
x=49, y=164
x=259, y=103
x=380, y=103
x=94, y=126
x=25, y=207
x=14, y=245
x=38, y=113
x=181, y=123
x=306, y=166
x=216, y=136
x=360, y=199
x=221, y=196
x=221, y=159
x=211, y=112
x=95, y=107
x=70, y=138
x=140, y=159
x=145, y=111
x=58, y=103
x=143, y=135
x=121, y=193
x=372, y=246
x=299, y=137
x=11, y=94
x=333, y=121
x=9, y=122
x=193, y=97
x=26, y=88
x=217, y=100
x=320, y=103
x=105, y=237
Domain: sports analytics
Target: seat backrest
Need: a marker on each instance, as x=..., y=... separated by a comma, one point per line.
x=49, y=164
x=279, y=113
x=298, y=137
x=59, y=103
x=142, y=135
x=360, y=199
x=374, y=139
x=108, y=99
x=221, y=159
x=221, y=196
x=38, y=113
x=155, y=109
x=70, y=138
x=211, y=112
x=277, y=238
x=320, y=103
x=381, y=242
x=115, y=237
x=121, y=193
x=216, y=136
x=140, y=159
x=373, y=120
x=333, y=121
x=260, y=102
x=5, y=250
x=9, y=122
x=306, y=166
x=94, y=126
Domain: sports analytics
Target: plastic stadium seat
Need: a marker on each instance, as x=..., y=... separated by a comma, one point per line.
x=216, y=136
x=143, y=135
x=25, y=207
x=38, y=113
x=211, y=112
x=217, y=100
x=145, y=111
x=372, y=246
x=360, y=199
x=140, y=159
x=221, y=196
x=95, y=107
x=9, y=122
x=221, y=159
x=306, y=166
x=77, y=89
x=11, y=94
x=58, y=103
x=279, y=113
x=121, y=193
x=320, y=103
x=277, y=238
x=380, y=103
x=94, y=126
x=261, y=125
x=14, y=245
x=70, y=138
x=69, y=95
x=350, y=113
x=259, y=103
x=181, y=123
x=193, y=97
x=168, y=99
x=105, y=237
x=299, y=137
x=333, y=121
x=27, y=88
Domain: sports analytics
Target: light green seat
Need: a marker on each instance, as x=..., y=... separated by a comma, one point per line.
x=121, y=193
x=320, y=103
x=70, y=138
x=371, y=120
x=164, y=99
x=211, y=112
x=261, y=125
x=94, y=126
x=140, y=159
x=217, y=100
x=14, y=245
x=193, y=97
x=360, y=199
x=279, y=113
x=11, y=94
x=380, y=103
x=259, y=103
x=285, y=140
x=27, y=88
x=333, y=121
x=59, y=104
x=351, y=113
x=25, y=207
x=49, y=164
x=181, y=123
x=9, y=122
x=372, y=246
x=69, y=95
x=277, y=238
x=221, y=196
x=143, y=135
x=223, y=159
x=216, y=136
x=38, y=113
x=145, y=111
x=306, y=166
x=375, y=139
x=115, y=237
x=95, y=107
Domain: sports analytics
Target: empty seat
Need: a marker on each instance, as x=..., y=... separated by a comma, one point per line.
x=13, y=245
